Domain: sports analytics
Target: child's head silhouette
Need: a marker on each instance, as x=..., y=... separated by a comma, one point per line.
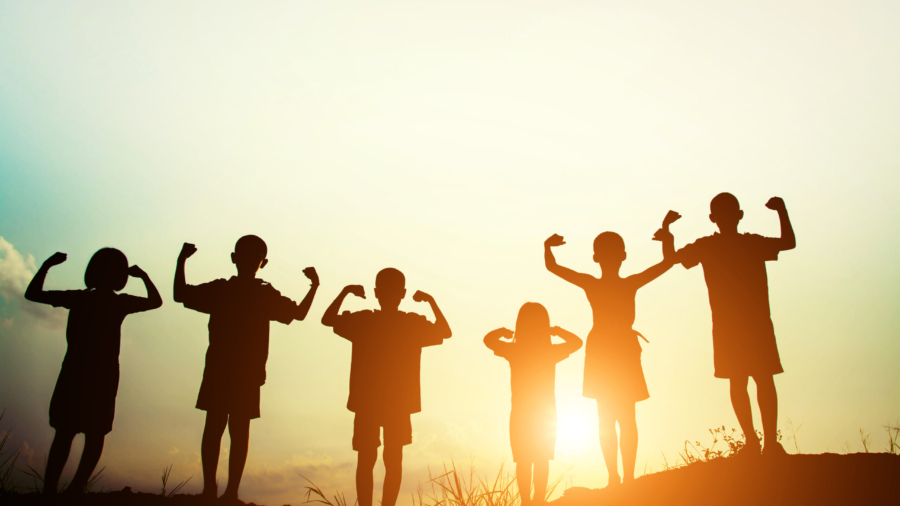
x=532, y=325
x=725, y=212
x=609, y=250
x=390, y=288
x=249, y=255
x=107, y=270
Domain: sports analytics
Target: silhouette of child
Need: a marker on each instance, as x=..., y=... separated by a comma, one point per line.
x=612, y=361
x=384, y=375
x=532, y=420
x=84, y=399
x=734, y=266
x=239, y=310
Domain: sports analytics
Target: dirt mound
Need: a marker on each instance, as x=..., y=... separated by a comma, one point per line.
x=123, y=497
x=859, y=478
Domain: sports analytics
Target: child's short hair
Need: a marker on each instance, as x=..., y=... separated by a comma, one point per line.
x=724, y=203
x=251, y=246
x=108, y=268
x=532, y=324
x=607, y=241
x=390, y=278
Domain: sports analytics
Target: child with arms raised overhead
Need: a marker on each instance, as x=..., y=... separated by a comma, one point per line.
x=239, y=310
x=384, y=375
x=84, y=399
x=734, y=266
x=612, y=360
x=532, y=419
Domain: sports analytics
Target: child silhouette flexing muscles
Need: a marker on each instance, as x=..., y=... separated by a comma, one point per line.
x=532, y=420
x=384, y=375
x=612, y=360
x=84, y=399
x=239, y=310
x=734, y=266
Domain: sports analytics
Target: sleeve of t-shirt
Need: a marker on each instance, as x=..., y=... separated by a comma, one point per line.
x=351, y=326
x=63, y=298
x=203, y=298
x=279, y=308
x=130, y=304
x=424, y=330
x=692, y=254
x=766, y=248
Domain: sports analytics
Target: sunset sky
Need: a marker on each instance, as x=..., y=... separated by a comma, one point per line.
x=448, y=139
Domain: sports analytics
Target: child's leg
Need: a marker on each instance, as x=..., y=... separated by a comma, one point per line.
x=93, y=447
x=740, y=400
x=768, y=406
x=523, y=480
x=239, y=431
x=393, y=473
x=56, y=460
x=628, y=439
x=365, y=463
x=609, y=443
x=209, y=449
x=541, y=476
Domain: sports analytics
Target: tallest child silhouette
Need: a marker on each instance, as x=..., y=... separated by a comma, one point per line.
x=734, y=266
x=239, y=310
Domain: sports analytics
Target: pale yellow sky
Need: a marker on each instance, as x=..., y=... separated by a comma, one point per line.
x=448, y=139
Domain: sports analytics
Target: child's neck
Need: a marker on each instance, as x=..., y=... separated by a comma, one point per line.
x=610, y=272
x=728, y=230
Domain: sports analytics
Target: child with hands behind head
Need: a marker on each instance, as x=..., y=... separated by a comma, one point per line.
x=384, y=375
x=532, y=420
x=84, y=399
x=239, y=309
x=612, y=360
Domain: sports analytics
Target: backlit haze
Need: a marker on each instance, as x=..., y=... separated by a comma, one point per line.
x=448, y=139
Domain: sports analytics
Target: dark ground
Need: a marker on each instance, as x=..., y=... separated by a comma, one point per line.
x=859, y=478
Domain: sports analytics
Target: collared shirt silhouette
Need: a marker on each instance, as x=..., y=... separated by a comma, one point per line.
x=735, y=271
x=239, y=315
x=240, y=309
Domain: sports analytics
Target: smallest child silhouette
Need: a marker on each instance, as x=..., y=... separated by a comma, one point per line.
x=532, y=421
x=84, y=399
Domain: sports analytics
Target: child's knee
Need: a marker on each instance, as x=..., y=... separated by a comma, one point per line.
x=366, y=458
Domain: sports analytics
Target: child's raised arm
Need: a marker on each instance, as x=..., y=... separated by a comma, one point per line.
x=187, y=250
x=787, y=240
x=329, y=319
x=576, y=278
x=493, y=338
x=442, y=327
x=35, y=291
x=668, y=245
x=306, y=303
x=153, y=299
x=572, y=342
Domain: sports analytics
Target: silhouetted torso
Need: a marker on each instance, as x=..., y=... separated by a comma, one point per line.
x=85, y=395
x=734, y=267
x=612, y=356
x=240, y=312
x=386, y=356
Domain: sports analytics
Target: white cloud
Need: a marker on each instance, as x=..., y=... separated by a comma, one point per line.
x=16, y=272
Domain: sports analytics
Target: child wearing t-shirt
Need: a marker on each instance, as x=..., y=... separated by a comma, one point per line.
x=384, y=375
x=84, y=399
x=532, y=420
x=239, y=310
x=613, y=374
x=734, y=265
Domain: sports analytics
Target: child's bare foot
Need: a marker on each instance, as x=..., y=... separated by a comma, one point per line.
x=750, y=449
x=774, y=449
x=614, y=481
